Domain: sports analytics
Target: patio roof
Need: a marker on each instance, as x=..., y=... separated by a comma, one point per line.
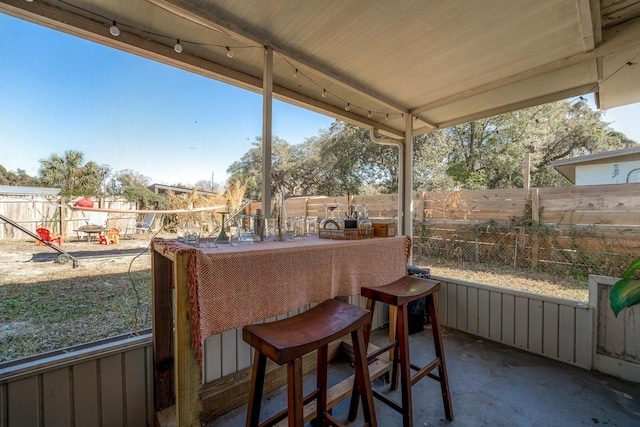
x=399, y=69
x=445, y=63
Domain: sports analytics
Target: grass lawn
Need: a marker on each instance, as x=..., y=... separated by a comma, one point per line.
x=45, y=306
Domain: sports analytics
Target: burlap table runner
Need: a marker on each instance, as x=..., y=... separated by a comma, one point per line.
x=235, y=286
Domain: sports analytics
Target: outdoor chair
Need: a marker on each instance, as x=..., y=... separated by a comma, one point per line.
x=46, y=236
x=144, y=226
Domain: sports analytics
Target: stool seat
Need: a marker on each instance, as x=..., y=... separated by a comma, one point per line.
x=286, y=341
x=402, y=291
x=399, y=294
x=293, y=337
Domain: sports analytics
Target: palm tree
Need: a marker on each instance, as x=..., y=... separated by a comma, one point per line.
x=67, y=172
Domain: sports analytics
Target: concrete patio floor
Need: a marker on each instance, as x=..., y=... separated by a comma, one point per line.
x=491, y=385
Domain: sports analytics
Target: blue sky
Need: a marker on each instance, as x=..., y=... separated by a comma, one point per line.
x=59, y=92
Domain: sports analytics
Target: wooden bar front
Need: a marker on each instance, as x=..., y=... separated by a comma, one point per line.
x=188, y=280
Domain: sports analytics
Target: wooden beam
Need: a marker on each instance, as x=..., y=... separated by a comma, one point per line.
x=577, y=91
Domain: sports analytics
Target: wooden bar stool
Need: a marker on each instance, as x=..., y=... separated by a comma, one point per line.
x=287, y=340
x=399, y=294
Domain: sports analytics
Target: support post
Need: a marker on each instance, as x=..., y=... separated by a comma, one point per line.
x=535, y=216
x=406, y=172
x=267, y=117
x=526, y=171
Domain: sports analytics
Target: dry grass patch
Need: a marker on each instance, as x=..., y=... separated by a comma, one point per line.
x=507, y=277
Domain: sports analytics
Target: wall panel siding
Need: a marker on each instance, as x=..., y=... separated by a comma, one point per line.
x=462, y=307
x=584, y=340
x=535, y=326
x=483, y=313
x=135, y=387
x=452, y=308
x=550, y=329
x=472, y=310
x=521, y=338
x=553, y=327
x=112, y=399
x=56, y=398
x=24, y=403
x=508, y=319
x=566, y=334
x=495, y=316
x=108, y=384
x=85, y=393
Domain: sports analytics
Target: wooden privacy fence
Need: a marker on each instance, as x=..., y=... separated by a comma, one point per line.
x=582, y=230
x=53, y=213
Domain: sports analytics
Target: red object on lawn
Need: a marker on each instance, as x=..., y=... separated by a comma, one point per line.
x=46, y=236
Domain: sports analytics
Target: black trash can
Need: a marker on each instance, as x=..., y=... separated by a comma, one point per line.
x=416, y=312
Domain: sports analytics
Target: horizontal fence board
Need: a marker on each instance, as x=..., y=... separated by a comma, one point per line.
x=577, y=218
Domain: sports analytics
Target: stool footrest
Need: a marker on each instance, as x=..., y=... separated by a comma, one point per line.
x=388, y=401
x=282, y=415
x=377, y=352
x=341, y=390
x=425, y=371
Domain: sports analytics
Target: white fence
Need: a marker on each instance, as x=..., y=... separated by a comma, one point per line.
x=53, y=213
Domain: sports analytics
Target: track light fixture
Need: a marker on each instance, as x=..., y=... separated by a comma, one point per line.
x=177, y=47
x=114, y=30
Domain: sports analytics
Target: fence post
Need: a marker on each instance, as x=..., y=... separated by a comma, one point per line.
x=535, y=216
x=63, y=218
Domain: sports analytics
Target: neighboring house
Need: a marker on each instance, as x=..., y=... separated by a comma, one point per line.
x=609, y=167
x=16, y=190
x=161, y=190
